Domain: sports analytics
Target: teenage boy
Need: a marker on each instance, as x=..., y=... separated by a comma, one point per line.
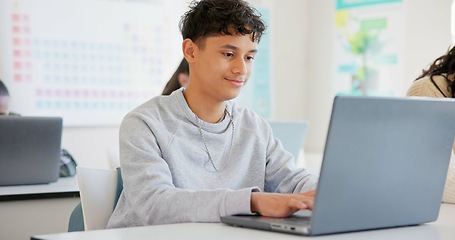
x=194, y=156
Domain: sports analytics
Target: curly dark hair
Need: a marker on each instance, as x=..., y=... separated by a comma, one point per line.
x=443, y=66
x=221, y=17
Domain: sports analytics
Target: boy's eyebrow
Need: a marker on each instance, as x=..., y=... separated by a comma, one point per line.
x=232, y=47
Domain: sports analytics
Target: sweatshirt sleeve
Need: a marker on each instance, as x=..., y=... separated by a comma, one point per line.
x=149, y=191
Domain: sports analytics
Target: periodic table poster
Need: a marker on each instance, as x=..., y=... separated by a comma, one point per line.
x=92, y=61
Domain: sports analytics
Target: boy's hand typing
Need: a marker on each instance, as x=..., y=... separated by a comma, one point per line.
x=281, y=205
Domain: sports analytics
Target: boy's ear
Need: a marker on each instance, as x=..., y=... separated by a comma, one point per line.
x=188, y=48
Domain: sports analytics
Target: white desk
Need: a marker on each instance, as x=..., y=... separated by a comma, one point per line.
x=443, y=229
x=37, y=209
x=64, y=187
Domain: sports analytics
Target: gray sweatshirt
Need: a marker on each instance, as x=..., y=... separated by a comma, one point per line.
x=169, y=178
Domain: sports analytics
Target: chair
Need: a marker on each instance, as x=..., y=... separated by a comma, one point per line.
x=99, y=191
x=291, y=135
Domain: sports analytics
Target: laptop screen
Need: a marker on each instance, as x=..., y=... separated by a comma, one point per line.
x=29, y=149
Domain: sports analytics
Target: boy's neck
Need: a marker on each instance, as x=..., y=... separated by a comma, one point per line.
x=207, y=110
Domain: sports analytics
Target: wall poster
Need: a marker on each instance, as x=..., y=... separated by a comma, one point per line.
x=368, y=45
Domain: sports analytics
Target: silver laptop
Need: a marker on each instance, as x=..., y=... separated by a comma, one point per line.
x=385, y=164
x=29, y=149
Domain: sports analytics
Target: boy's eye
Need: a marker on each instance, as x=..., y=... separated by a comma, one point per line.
x=228, y=54
x=250, y=58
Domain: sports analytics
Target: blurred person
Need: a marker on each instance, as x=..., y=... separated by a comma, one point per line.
x=179, y=79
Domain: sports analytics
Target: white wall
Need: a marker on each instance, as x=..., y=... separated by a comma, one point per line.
x=290, y=41
x=302, y=76
x=427, y=34
x=321, y=27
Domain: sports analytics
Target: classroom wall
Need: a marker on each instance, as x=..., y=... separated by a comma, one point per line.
x=302, y=51
x=290, y=62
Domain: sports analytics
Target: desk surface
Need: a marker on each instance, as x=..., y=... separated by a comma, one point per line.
x=64, y=187
x=442, y=229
